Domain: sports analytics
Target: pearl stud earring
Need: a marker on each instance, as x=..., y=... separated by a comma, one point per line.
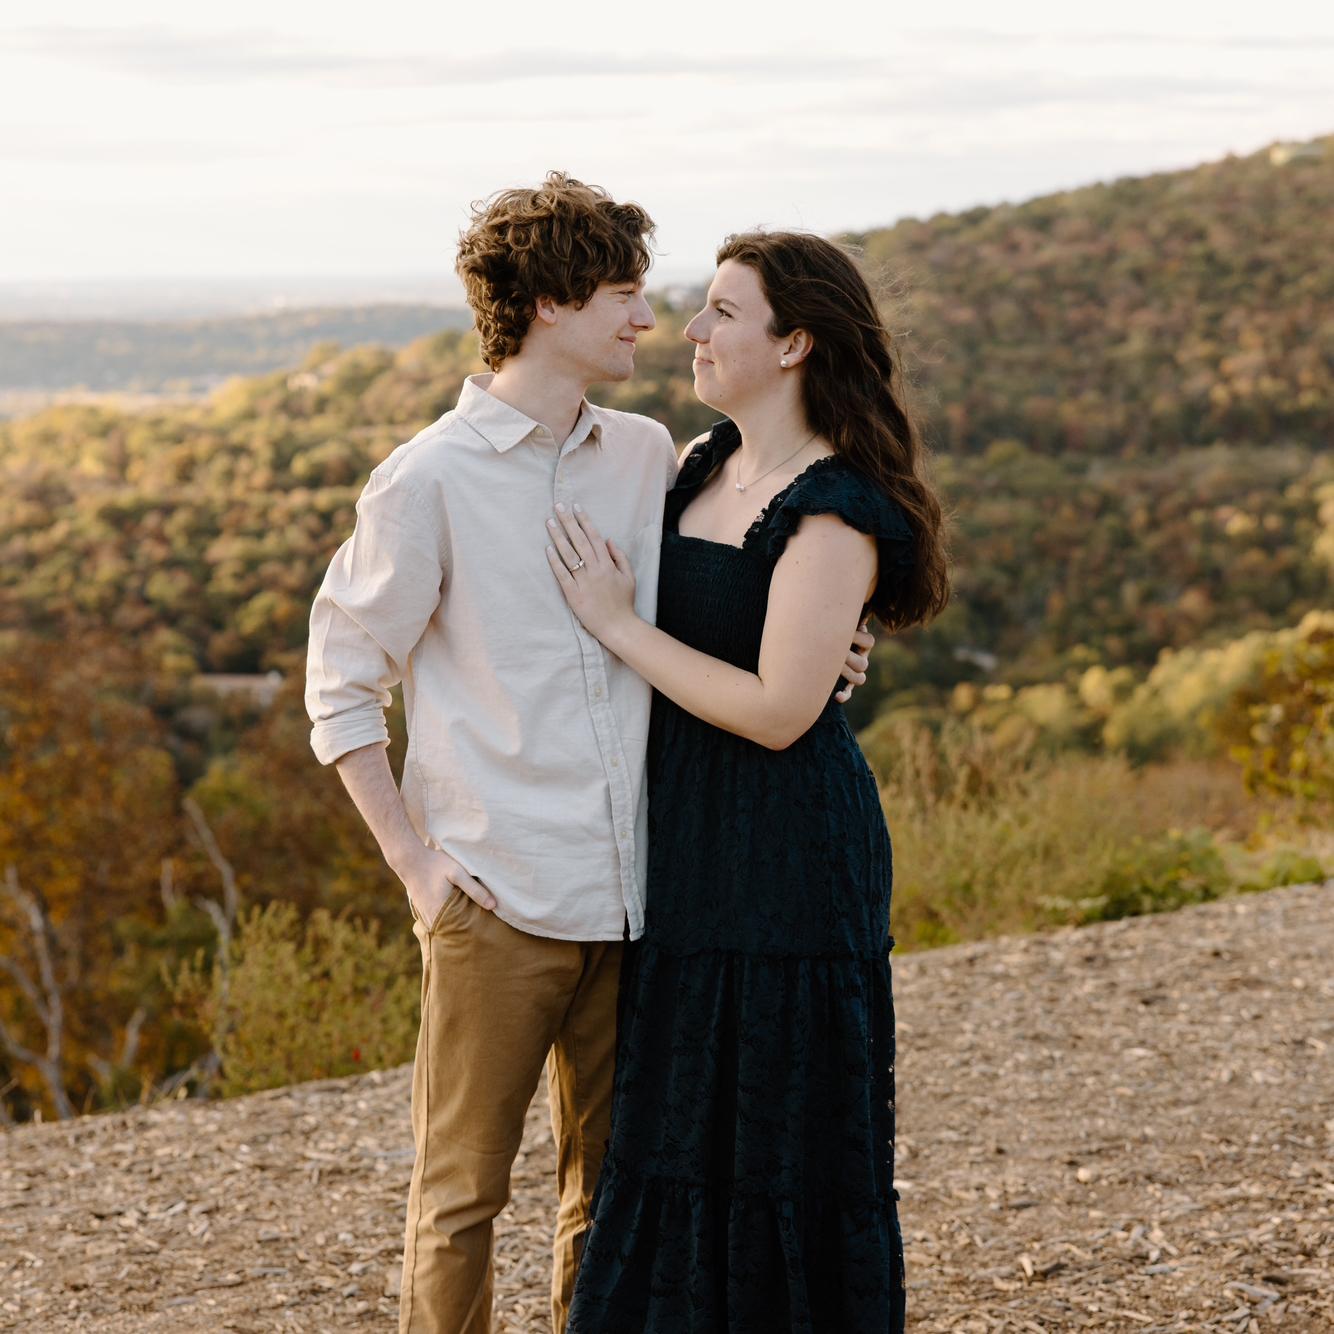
x=783, y=362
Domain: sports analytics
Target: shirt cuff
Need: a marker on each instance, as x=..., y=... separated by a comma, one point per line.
x=333, y=737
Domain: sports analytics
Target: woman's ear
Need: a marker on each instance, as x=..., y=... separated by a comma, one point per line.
x=796, y=347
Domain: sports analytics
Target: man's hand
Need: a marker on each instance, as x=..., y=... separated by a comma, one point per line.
x=859, y=658
x=431, y=877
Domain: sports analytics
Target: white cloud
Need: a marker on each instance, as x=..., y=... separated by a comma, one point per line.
x=145, y=140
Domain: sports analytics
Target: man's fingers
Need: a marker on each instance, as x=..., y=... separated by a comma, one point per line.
x=863, y=640
x=859, y=662
x=474, y=889
x=844, y=695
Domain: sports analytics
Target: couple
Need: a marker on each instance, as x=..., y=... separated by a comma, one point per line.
x=681, y=910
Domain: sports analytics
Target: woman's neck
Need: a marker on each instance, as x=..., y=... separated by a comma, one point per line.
x=770, y=432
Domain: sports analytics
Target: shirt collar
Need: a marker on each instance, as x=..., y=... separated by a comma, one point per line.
x=503, y=426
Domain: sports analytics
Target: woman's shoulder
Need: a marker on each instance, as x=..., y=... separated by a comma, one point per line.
x=698, y=458
x=833, y=485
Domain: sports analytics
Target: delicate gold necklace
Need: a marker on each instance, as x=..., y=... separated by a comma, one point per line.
x=741, y=486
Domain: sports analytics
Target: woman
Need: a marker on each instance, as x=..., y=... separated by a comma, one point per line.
x=748, y=1184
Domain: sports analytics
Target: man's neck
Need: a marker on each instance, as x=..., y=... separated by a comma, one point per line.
x=546, y=393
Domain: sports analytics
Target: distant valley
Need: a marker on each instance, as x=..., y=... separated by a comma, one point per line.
x=147, y=361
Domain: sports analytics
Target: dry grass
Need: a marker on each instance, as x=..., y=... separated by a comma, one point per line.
x=998, y=839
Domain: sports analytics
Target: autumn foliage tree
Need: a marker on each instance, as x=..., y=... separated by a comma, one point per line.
x=1280, y=726
x=88, y=815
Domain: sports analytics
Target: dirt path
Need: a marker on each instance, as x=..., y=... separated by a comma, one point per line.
x=1127, y=1127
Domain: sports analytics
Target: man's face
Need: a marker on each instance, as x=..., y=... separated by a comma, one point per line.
x=599, y=338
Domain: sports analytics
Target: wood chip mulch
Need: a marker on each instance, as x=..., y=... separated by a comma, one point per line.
x=1125, y=1127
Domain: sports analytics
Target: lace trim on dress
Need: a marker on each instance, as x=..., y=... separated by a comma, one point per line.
x=762, y=519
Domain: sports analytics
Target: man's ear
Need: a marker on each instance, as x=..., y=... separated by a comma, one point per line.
x=545, y=309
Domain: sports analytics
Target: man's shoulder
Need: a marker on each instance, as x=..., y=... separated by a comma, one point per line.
x=425, y=457
x=633, y=425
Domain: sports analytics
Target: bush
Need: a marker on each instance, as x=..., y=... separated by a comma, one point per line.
x=1285, y=866
x=1280, y=726
x=993, y=834
x=294, y=1001
x=1155, y=875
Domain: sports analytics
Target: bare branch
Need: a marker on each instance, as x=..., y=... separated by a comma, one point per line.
x=50, y=1071
x=17, y=1051
x=129, y=1048
x=167, y=884
x=129, y=1043
x=204, y=1070
x=219, y=920
x=49, y=1004
x=204, y=835
x=11, y=968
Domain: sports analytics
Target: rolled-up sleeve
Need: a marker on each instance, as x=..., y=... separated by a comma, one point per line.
x=381, y=589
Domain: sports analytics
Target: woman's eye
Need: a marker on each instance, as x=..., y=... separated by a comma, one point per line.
x=722, y=312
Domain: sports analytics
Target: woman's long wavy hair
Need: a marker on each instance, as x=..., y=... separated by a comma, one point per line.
x=854, y=396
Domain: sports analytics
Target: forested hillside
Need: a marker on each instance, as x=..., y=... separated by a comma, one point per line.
x=1145, y=314
x=205, y=530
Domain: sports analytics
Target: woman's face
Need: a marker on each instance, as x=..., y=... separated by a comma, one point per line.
x=736, y=360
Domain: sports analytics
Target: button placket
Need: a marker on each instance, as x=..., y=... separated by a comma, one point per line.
x=606, y=732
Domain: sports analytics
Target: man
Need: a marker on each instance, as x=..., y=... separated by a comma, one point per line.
x=519, y=833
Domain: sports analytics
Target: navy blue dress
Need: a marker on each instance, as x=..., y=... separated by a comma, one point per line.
x=748, y=1185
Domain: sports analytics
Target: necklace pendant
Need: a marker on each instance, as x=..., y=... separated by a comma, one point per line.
x=739, y=487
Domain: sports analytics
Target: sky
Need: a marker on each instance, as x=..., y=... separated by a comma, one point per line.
x=149, y=139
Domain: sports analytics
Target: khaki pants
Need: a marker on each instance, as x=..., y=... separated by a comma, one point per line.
x=495, y=1002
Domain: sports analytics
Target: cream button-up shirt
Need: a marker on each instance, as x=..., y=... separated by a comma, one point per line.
x=526, y=739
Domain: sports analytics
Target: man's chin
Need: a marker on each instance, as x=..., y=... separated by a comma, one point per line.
x=614, y=375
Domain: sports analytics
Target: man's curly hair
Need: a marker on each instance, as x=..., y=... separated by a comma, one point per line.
x=558, y=241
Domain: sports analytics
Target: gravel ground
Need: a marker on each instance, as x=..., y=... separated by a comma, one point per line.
x=1124, y=1127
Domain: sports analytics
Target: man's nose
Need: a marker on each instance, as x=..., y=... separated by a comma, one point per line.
x=644, y=317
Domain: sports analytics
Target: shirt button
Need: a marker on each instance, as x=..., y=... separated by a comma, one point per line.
x=597, y=692
x=615, y=762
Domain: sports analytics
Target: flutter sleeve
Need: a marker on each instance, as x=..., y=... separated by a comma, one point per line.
x=836, y=488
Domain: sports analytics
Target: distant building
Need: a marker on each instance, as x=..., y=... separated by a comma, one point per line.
x=1281, y=154
x=979, y=657
x=259, y=688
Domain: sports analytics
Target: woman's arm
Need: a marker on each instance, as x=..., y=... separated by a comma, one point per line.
x=819, y=588
x=858, y=657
